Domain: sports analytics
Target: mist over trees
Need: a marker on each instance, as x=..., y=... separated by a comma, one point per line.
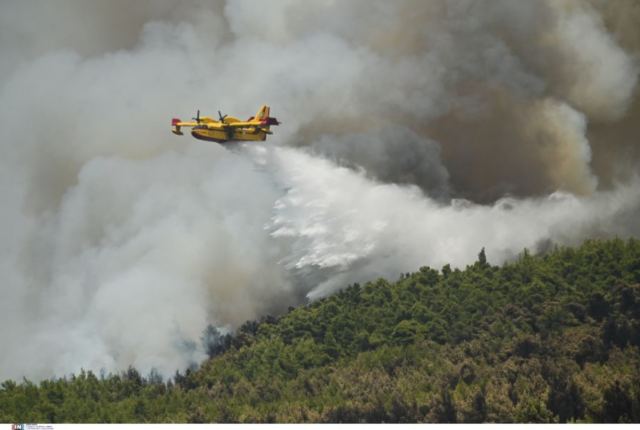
x=547, y=338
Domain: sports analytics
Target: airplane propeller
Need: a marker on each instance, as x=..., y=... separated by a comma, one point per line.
x=222, y=117
x=197, y=118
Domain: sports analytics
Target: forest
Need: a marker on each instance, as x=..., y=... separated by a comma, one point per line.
x=551, y=337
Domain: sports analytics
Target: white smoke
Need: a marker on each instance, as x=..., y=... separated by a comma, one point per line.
x=122, y=242
x=337, y=218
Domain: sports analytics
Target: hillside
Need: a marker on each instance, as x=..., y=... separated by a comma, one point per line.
x=546, y=338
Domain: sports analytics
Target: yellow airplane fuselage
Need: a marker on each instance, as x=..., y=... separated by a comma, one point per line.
x=221, y=136
x=228, y=128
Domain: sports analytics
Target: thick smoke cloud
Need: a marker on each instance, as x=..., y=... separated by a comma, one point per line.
x=414, y=133
x=393, y=154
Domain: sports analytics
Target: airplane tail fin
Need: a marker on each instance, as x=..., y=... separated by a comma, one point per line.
x=263, y=116
x=263, y=113
x=175, y=126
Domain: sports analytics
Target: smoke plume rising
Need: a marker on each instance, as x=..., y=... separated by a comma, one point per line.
x=414, y=133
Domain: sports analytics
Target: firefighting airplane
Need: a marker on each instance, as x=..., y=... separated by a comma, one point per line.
x=228, y=128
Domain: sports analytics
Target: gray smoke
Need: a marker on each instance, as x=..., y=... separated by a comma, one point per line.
x=414, y=133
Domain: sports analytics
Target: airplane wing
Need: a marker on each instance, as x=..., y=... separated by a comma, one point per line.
x=241, y=124
x=259, y=123
x=176, y=124
x=184, y=123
